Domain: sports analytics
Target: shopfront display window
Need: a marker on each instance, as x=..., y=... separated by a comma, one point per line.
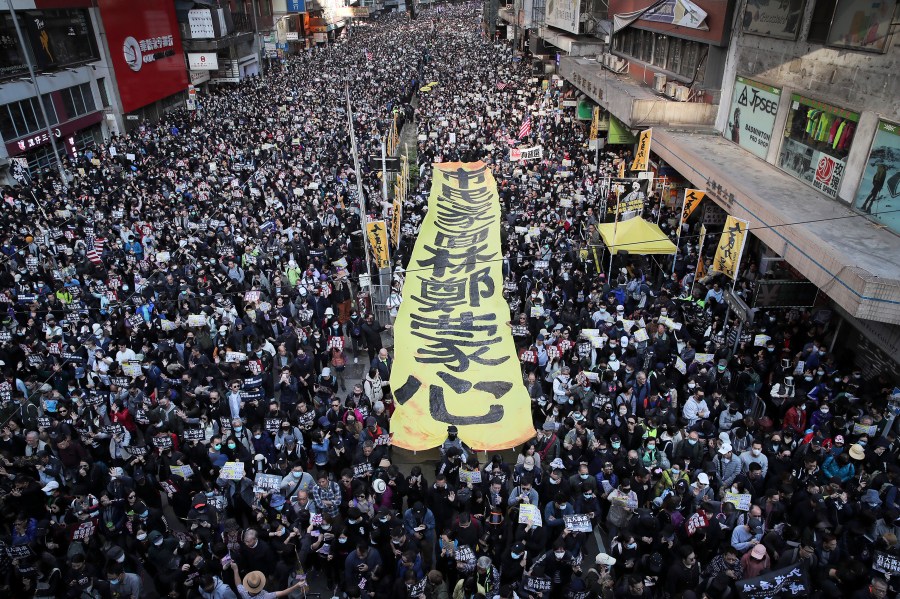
x=817, y=139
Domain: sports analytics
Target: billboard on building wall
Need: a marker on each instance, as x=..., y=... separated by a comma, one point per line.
x=145, y=48
x=563, y=14
x=879, y=189
x=774, y=18
x=751, y=118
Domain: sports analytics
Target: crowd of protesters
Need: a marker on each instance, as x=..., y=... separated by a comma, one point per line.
x=182, y=315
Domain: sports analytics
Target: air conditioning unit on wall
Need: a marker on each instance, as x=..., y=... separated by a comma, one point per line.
x=659, y=83
x=670, y=89
x=682, y=93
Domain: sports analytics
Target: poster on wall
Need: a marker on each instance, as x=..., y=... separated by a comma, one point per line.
x=683, y=13
x=145, y=47
x=879, y=188
x=751, y=118
x=774, y=18
x=817, y=140
x=862, y=24
x=564, y=14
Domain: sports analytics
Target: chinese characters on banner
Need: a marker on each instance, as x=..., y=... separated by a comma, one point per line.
x=787, y=582
x=731, y=245
x=377, y=233
x=464, y=369
x=692, y=199
x=642, y=156
x=534, y=153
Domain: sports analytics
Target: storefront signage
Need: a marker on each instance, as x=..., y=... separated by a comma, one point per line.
x=751, y=118
x=203, y=61
x=774, y=18
x=292, y=36
x=880, y=185
x=564, y=14
x=63, y=131
x=296, y=5
x=683, y=13
x=146, y=51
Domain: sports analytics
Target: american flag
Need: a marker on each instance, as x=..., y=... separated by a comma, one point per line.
x=525, y=128
x=94, y=247
x=501, y=85
x=369, y=56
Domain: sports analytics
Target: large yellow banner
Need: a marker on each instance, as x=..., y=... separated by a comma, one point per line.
x=458, y=365
x=378, y=240
x=731, y=245
x=642, y=156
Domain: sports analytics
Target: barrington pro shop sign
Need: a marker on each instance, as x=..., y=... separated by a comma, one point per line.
x=751, y=119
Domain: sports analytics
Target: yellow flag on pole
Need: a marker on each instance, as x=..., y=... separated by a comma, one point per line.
x=377, y=233
x=642, y=155
x=730, y=248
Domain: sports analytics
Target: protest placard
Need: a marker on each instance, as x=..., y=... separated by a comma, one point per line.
x=265, y=483
x=163, y=441
x=416, y=589
x=740, y=500
x=363, y=469
x=196, y=320
x=537, y=584
x=530, y=514
x=578, y=523
x=194, y=434
x=469, y=476
x=464, y=553
x=232, y=471
x=182, y=471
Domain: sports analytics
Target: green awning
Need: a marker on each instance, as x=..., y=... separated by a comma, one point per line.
x=619, y=133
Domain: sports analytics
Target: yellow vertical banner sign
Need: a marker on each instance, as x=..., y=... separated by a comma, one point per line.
x=642, y=155
x=459, y=364
x=595, y=123
x=395, y=222
x=692, y=199
x=730, y=248
x=378, y=241
x=622, y=169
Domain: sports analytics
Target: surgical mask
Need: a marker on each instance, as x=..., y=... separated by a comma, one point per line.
x=232, y=446
x=808, y=378
x=770, y=349
x=141, y=536
x=559, y=554
x=238, y=429
x=114, y=581
x=616, y=445
x=726, y=460
x=588, y=495
x=651, y=447
x=217, y=446
x=257, y=436
x=562, y=506
x=755, y=452
x=692, y=385
x=631, y=545
x=516, y=555
x=692, y=441
x=296, y=474
x=820, y=372
x=583, y=476
x=675, y=472
x=385, y=519
x=342, y=540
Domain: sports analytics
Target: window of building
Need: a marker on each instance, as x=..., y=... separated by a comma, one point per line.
x=680, y=57
x=817, y=140
x=823, y=12
x=659, y=51
x=78, y=100
x=54, y=39
x=19, y=119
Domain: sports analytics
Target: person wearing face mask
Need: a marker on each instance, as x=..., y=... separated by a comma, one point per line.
x=795, y=418
x=123, y=584
x=554, y=513
x=453, y=440
x=755, y=455
x=821, y=417
x=296, y=480
x=557, y=564
x=730, y=417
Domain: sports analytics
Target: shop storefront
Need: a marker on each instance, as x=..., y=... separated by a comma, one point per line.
x=879, y=188
x=71, y=137
x=817, y=140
